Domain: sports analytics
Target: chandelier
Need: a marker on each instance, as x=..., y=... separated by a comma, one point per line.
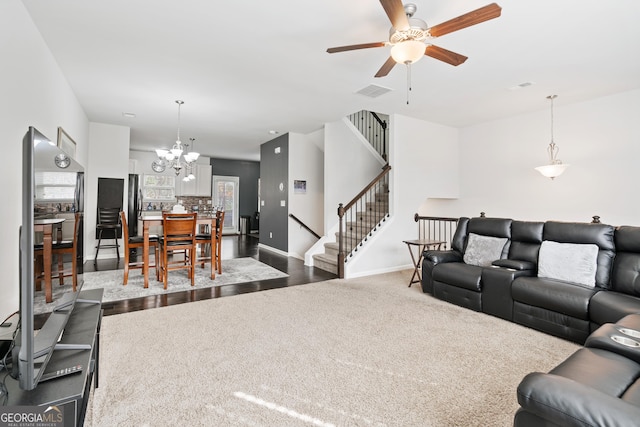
x=175, y=157
x=555, y=167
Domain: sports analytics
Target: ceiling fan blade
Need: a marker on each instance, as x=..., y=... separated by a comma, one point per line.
x=395, y=12
x=468, y=19
x=386, y=67
x=445, y=55
x=355, y=47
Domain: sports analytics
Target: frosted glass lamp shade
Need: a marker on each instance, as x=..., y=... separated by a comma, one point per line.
x=408, y=51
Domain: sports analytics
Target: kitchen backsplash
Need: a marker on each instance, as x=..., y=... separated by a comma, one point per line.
x=53, y=207
x=191, y=203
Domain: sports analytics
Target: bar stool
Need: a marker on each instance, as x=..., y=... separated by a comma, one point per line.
x=109, y=221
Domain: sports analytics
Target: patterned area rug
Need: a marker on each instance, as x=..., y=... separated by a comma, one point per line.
x=236, y=270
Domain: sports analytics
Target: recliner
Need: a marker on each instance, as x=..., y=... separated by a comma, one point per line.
x=461, y=283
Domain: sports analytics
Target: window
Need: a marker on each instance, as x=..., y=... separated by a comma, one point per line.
x=55, y=186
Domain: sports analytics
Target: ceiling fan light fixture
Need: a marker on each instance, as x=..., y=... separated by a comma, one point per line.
x=408, y=51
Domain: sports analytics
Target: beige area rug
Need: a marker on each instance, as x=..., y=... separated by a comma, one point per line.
x=235, y=270
x=360, y=352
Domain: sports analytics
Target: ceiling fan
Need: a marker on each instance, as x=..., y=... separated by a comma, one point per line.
x=411, y=38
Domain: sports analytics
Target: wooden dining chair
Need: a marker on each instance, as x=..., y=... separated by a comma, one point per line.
x=206, y=239
x=59, y=249
x=218, y=251
x=179, y=235
x=132, y=243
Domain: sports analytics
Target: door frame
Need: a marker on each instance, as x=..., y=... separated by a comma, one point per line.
x=234, y=222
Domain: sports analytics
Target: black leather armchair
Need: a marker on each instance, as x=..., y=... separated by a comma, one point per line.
x=598, y=385
x=451, y=279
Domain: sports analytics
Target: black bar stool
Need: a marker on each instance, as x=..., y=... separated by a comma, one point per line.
x=109, y=222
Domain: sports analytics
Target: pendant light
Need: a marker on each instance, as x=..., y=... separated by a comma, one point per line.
x=555, y=167
x=173, y=157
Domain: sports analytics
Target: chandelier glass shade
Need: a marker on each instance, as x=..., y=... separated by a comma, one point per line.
x=175, y=158
x=408, y=51
x=555, y=167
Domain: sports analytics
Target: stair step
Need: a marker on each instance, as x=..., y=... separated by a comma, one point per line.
x=332, y=249
x=326, y=263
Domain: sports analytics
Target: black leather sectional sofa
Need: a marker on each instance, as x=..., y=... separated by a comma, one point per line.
x=510, y=287
x=577, y=281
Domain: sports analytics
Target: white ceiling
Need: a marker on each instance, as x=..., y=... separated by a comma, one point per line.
x=246, y=67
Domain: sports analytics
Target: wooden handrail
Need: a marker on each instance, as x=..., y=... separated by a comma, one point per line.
x=381, y=122
x=296, y=219
x=385, y=170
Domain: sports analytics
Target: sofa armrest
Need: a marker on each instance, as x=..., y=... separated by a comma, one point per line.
x=569, y=403
x=438, y=257
x=430, y=260
x=514, y=264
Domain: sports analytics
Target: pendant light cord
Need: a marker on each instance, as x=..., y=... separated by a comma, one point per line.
x=408, y=80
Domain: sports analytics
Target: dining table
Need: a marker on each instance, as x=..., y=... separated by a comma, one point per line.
x=46, y=226
x=148, y=221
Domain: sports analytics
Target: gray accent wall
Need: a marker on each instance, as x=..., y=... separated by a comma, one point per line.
x=274, y=170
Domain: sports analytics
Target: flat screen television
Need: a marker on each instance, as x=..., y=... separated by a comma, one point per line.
x=31, y=350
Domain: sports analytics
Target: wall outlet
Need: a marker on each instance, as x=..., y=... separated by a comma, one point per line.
x=208, y=202
x=283, y=203
x=261, y=202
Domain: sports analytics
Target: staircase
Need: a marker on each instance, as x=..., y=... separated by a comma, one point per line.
x=359, y=220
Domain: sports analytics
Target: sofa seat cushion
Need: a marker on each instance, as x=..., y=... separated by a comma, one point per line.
x=609, y=307
x=459, y=274
x=553, y=295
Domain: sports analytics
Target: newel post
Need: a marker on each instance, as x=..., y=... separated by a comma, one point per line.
x=341, y=241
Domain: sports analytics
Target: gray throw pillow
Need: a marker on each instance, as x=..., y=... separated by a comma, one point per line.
x=483, y=250
x=571, y=262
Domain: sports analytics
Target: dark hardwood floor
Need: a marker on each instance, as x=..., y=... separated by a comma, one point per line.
x=233, y=246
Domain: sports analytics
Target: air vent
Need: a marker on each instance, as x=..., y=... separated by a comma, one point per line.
x=521, y=85
x=373, y=91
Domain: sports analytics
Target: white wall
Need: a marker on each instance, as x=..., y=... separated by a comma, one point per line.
x=108, y=158
x=34, y=93
x=599, y=138
x=423, y=157
x=306, y=163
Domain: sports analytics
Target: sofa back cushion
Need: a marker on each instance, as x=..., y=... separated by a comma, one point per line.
x=601, y=235
x=625, y=276
x=526, y=237
x=492, y=227
x=460, y=236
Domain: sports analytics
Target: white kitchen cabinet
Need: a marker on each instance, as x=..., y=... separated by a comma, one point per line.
x=200, y=187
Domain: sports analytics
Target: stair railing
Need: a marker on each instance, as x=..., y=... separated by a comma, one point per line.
x=305, y=226
x=436, y=228
x=373, y=128
x=359, y=218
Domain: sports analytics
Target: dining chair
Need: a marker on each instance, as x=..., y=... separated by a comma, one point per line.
x=131, y=244
x=219, y=227
x=108, y=226
x=59, y=249
x=206, y=239
x=179, y=235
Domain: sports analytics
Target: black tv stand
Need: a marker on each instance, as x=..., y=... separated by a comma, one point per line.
x=79, y=346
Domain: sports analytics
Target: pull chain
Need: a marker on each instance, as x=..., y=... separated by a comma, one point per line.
x=408, y=80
